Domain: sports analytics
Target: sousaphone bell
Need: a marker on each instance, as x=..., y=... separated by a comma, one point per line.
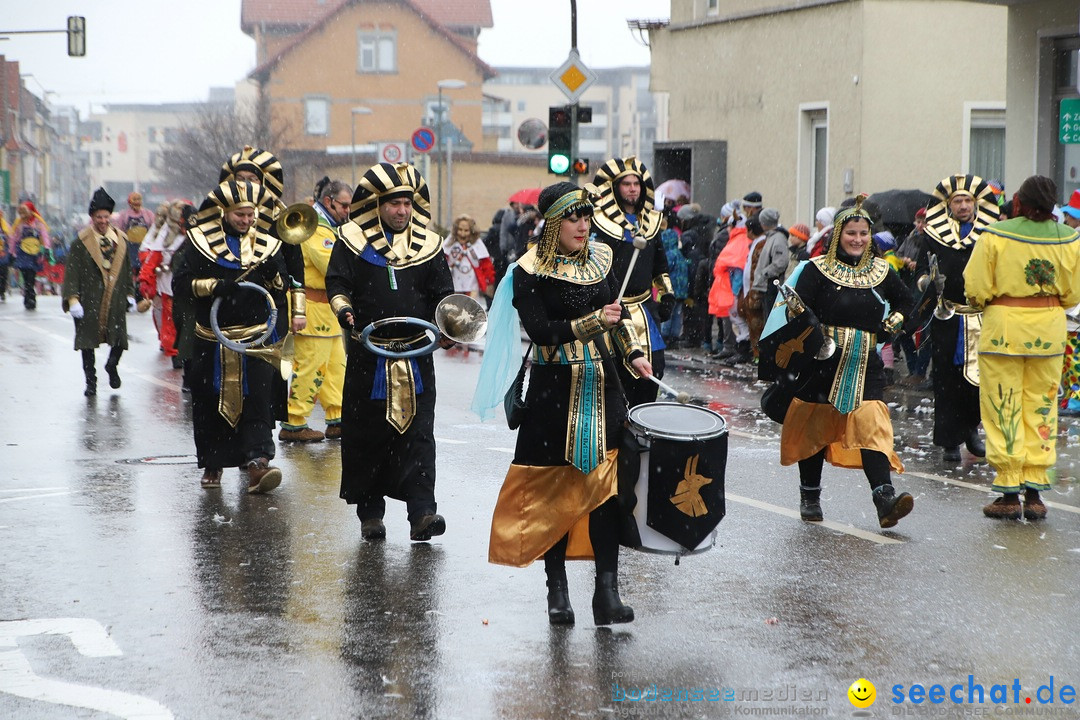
x=296, y=223
x=458, y=317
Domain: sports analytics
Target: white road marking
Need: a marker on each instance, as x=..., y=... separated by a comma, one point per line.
x=90, y=639
x=35, y=497
x=448, y=441
x=501, y=449
x=44, y=489
x=838, y=527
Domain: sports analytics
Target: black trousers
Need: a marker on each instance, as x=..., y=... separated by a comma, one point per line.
x=604, y=536
x=29, y=278
x=88, y=362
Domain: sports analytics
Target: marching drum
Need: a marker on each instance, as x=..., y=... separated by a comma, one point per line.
x=677, y=477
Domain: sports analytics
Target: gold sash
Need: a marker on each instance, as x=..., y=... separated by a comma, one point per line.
x=231, y=393
x=400, y=384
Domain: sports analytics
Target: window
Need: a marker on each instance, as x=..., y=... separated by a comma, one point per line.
x=813, y=172
x=171, y=136
x=985, y=151
x=376, y=51
x=712, y=7
x=1064, y=158
x=317, y=116
x=521, y=106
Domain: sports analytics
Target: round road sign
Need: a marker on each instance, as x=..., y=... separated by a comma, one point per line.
x=423, y=139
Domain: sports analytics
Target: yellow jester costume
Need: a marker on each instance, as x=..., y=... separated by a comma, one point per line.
x=1022, y=273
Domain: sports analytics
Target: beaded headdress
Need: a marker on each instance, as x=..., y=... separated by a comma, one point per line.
x=576, y=200
x=842, y=217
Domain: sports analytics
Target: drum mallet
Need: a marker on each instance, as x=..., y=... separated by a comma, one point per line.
x=680, y=397
x=639, y=245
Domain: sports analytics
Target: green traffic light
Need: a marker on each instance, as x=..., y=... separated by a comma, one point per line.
x=559, y=164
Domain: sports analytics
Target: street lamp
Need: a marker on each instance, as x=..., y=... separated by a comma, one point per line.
x=352, y=147
x=448, y=155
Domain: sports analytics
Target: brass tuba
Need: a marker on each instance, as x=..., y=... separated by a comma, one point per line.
x=279, y=354
x=296, y=223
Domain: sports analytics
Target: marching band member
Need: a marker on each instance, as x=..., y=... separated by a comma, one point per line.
x=558, y=500
x=624, y=211
x=1022, y=273
x=837, y=413
x=235, y=398
x=388, y=263
x=319, y=367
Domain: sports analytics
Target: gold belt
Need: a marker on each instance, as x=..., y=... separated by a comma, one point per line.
x=231, y=393
x=635, y=299
x=571, y=353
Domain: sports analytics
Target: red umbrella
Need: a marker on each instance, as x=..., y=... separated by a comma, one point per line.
x=528, y=196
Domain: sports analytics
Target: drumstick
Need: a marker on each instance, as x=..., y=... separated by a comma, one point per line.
x=680, y=397
x=639, y=245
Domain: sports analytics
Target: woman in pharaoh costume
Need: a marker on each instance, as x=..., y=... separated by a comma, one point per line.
x=558, y=500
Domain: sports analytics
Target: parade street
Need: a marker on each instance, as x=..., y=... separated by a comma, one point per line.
x=128, y=591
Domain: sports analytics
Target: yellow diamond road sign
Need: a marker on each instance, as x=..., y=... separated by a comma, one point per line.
x=573, y=77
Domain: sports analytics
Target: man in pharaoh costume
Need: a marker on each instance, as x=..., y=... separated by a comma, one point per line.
x=389, y=263
x=236, y=397
x=964, y=206
x=627, y=222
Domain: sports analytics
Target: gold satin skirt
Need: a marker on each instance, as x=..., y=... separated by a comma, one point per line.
x=808, y=427
x=538, y=505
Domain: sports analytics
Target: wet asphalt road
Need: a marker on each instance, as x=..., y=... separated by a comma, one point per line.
x=128, y=591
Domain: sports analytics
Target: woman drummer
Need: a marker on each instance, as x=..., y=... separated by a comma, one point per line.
x=838, y=415
x=558, y=499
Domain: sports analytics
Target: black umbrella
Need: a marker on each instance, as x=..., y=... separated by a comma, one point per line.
x=898, y=207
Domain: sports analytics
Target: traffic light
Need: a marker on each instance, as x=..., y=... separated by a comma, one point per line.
x=580, y=166
x=560, y=139
x=76, y=35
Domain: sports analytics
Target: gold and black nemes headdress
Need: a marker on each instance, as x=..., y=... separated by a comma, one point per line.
x=609, y=216
x=940, y=224
x=208, y=231
x=261, y=162
x=379, y=184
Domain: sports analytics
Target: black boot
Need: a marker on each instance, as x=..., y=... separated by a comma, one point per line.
x=89, y=372
x=951, y=454
x=607, y=607
x=975, y=444
x=558, y=599
x=890, y=506
x=114, y=376
x=810, y=503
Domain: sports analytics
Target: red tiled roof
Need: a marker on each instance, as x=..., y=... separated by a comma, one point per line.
x=304, y=13
x=485, y=70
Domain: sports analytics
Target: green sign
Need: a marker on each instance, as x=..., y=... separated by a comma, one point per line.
x=1070, y=122
x=5, y=187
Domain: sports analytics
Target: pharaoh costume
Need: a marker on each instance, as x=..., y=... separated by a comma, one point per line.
x=565, y=460
x=98, y=278
x=954, y=342
x=1021, y=274
x=617, y=229
x=319, y=369
x=838, y=413
x=236, y=398
x=388, y=406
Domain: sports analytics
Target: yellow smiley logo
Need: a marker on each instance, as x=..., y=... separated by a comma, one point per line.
x=862, y=693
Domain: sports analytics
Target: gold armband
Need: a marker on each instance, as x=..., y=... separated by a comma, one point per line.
x=626, y=342
x=339, y=303
x=299, y=302
x=893, y=322
x=589, y=326
x=203, y=287
x=663, y=285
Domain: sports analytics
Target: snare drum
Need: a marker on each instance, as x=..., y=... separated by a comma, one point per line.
x=677, y=497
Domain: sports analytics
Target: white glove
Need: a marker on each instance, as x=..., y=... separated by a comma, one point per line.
x=76, y=310
x=131, y=304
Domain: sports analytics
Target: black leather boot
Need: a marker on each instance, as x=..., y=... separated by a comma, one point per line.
x=975, y=445
x=810, y=503
x=890, y=506
x=558, y=600
x=607, y=607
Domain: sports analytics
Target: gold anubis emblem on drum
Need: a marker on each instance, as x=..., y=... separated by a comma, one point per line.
x=687, y=495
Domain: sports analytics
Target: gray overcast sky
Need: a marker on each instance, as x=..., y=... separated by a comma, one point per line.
x=152, y=51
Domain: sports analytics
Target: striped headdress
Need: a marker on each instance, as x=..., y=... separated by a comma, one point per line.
x=379, y=183
x=261, y=162
x=609, y=216
x=940, y=224
x=207, y=232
